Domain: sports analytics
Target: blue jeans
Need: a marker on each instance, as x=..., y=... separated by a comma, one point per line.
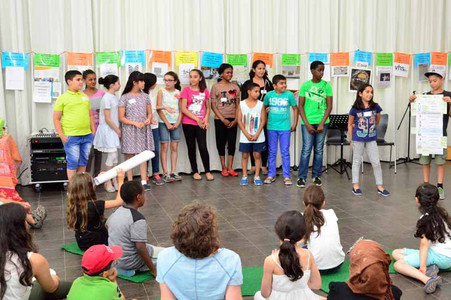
x=77, y=150
x=309, y=141
x=284, y=137
x=156, y=159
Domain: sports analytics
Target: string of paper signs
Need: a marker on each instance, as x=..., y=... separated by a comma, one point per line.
x=47, y=83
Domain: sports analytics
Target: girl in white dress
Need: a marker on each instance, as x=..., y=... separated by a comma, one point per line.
x=291, y=272
x=109, y=132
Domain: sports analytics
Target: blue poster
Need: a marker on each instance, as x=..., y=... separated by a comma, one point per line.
x=212, y=60
x=15, y=59
x=422, y=59
x=133, y=57
x=317, y=56
x=362, y=56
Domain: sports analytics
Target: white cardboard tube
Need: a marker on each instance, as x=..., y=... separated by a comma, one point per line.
x=126, y=165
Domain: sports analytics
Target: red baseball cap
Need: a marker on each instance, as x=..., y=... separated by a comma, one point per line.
x=98, y=257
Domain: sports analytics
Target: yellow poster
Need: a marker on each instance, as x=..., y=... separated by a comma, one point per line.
x=186, y=58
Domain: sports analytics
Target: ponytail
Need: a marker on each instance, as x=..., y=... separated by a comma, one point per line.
x=289, y=260
x=313, y=201
x=290, y=227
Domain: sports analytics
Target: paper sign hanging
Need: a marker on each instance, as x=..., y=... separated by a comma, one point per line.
x=212, y=60
x=317, y=57
x=438, y=58
x=184, y=70
x=159, y=69
x=339, y=59
x=401, y=64
x=15, y=78
x=79, y=59
x=15, y=59
x=108, y=58
x=164, y=57
x=291, y=59
x=237, y=59
x=46, y=60
x=384, y=59
x=186, y=58
x=134, y=57
x=422, y=59
x=362, y=57
x=267, y=58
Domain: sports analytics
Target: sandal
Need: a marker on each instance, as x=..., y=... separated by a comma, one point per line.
x=233, y=173
x=269, y=180
x=197, y=176
x=39, y=215
x=225, y=173
x=109, y=187
x=210, y=177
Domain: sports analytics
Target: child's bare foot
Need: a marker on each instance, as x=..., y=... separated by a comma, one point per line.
x=197, y=176
x=210, y=176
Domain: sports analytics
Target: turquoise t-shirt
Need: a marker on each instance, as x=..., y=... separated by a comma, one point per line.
x=315, y=100
x=279, y=110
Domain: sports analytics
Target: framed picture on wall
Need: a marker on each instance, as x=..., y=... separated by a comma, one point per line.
x=357, y=77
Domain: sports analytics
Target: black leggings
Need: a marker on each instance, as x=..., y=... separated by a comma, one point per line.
x=264, y=153
x=193, y=133
x=225, y=136
x=96, y=156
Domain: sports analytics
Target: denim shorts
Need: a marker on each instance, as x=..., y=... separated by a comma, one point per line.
x=77, y=150
x=165, y=133
x=412, y=257
x=252, y=147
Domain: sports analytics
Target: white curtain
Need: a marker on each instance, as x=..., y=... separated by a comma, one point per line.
x=225, y=26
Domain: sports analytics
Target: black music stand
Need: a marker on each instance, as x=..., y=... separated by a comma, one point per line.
x=339, y=122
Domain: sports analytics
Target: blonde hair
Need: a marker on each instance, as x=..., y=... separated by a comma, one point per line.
x=79, y=192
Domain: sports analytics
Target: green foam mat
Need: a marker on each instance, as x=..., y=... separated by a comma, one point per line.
x=139, y=277
x=340, y=276
x=73, y=248
x=252, y=280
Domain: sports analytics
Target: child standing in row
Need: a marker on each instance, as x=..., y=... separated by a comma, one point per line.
x=433, y=228
x=251, y=117
x=315, y=105
x=196, y=113
x=363, y=118
x=279, y=102
x=149, y=88
x=74, y=122
x=436, y=79
x=85, y=214
x=135, y=114
x=170, y=118
x=108, y=132
x=322, y=235
x=224, y=98
x=95, y=95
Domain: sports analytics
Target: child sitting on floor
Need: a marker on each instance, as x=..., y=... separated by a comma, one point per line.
x=127, y=228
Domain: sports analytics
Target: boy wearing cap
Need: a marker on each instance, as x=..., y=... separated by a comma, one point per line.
x=436, y=78
x=99, y=278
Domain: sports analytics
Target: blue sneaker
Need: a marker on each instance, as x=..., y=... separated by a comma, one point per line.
x=384, y=193
x=258, y=181
x=357, y=192
x=243, y=180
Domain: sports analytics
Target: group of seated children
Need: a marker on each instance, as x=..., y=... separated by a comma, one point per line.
x=197, y=267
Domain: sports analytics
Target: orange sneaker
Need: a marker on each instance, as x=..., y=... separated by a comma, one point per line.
x=225, y=173
x=233, y=173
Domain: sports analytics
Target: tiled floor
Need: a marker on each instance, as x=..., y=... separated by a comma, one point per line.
x=247, y=216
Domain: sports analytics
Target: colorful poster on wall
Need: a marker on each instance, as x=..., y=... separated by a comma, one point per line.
x=401, y=64
x=362, y=59
x=15, y=78
x=422, y=59
x=15, y=59
x=438, y=61
x=357, y=77
x=159, y=62
x=210, y=63
x=291, y=66
x=267, y=58
x=339, y=62
x=186, y=58
x=79, y=61
x=46, y=69
x=137, y=56
x=237, y=59
x=108, y=58
x=184, y=70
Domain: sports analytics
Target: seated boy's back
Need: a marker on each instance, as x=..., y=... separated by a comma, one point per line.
x=126, y=226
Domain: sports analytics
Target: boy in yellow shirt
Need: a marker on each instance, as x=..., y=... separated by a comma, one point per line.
x=74, y=123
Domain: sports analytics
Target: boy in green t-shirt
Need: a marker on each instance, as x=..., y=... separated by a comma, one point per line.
x=74, y=122
x=278, y=103
x=315, y=105
x=99, y=278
